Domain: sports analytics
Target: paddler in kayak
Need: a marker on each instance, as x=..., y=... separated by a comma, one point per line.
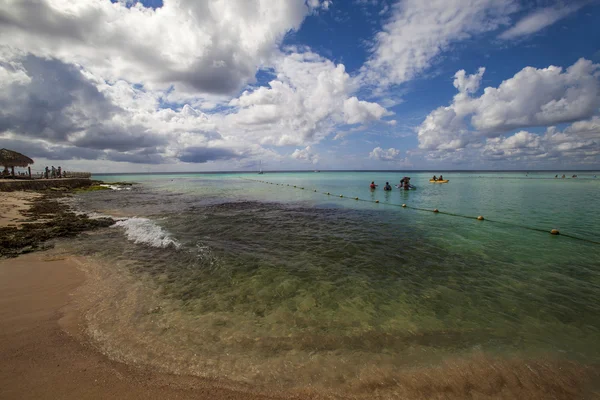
x=435, y=178
x=441, y=178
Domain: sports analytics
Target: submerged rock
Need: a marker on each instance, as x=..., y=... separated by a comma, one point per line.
x=49, y=219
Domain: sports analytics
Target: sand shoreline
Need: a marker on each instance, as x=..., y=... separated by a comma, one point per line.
x=11, y=205
x=43, y=345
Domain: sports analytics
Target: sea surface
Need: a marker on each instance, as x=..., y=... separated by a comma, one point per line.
x=247, y=278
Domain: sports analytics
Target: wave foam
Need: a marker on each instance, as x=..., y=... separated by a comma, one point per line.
x=145, y=231
x=115, y=187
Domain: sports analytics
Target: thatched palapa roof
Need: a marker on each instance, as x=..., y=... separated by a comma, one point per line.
x=9, y=158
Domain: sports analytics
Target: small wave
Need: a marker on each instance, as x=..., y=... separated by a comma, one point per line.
x=115, y=187
x=145, y=231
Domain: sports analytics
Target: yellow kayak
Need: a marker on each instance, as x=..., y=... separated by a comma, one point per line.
x=438, y=181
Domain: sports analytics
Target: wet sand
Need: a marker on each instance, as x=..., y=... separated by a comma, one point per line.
x=41, y=360
x=11, y=205
x=43, y=349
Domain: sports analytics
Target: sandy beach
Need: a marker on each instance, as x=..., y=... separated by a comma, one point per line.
x=11, y=205
x=43, y=348
x=43, y=356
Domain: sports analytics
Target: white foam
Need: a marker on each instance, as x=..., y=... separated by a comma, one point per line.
x=115, y=187
x=145, y=231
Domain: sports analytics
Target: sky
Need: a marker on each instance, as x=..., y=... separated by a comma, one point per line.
x=226, y=85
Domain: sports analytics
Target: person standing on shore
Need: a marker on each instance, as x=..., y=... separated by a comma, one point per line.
x=46, y=172
x=59, y=172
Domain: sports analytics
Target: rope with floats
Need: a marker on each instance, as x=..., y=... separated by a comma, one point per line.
x=554, y=232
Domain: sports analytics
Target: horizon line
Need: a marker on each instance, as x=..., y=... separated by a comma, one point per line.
x=346, y=170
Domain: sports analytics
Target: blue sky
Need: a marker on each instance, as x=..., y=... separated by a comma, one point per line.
x=188, y=85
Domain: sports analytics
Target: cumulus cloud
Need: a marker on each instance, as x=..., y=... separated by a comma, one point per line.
x=419, y=31
x=308, y=97
x=533, y=97
x=380, y=154
x=65, y=112
x=358, y=111
x=48, y=99
x=305, y=154
x=576, y=144
x=542, y=18
x=475, y=129
x=208, y=47
x=205, y=154
x=43, y=149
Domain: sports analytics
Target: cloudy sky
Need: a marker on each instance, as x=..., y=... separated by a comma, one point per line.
x=209, y=85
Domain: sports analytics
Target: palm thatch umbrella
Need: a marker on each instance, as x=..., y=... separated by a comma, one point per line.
x=12, y=159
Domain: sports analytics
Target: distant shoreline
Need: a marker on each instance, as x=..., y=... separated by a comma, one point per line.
x=436, y=171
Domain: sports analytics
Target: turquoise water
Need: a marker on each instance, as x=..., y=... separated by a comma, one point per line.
x=534, y=200
x=270, y=283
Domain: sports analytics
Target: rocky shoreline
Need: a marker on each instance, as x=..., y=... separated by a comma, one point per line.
x=47, y=218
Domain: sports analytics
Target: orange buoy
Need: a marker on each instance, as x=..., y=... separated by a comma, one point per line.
x=328, y=193
x=341, y=195
x=376, y=201
x=356, y=198
x=554, y=232
x=403, y=205
x=435, y=210
x=480, y=218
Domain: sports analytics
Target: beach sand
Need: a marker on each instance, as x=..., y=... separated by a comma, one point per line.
x=43, y=358
x=11, y=205
x=43, y=351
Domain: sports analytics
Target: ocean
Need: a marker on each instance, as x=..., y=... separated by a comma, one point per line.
x=269, y=280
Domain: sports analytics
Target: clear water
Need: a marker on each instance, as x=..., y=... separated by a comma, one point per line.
x=267, y=283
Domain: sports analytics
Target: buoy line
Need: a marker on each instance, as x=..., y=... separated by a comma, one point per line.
x=554, y=232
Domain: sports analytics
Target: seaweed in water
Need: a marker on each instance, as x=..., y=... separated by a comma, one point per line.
x=56, y=220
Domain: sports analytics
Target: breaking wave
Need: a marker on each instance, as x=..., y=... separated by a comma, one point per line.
x=145, y=231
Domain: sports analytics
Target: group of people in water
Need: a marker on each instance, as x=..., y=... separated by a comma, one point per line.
x=404, y=184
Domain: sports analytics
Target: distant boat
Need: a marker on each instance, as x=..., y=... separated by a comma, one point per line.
x=260, y=171
x=316, y=170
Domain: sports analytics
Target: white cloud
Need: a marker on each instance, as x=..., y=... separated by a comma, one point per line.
x=572, y=145
x=380, y=154
x=308, y=98
x=208, y=47
x=419, y=31
x=589, y=129
x=468, y=83
x=305, y=154
x=358, y=111
x=89, y=78
x=533, y=97
x=319, y=4
x=542, y=18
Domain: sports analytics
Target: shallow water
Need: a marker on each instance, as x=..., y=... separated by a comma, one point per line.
x=265, y=283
